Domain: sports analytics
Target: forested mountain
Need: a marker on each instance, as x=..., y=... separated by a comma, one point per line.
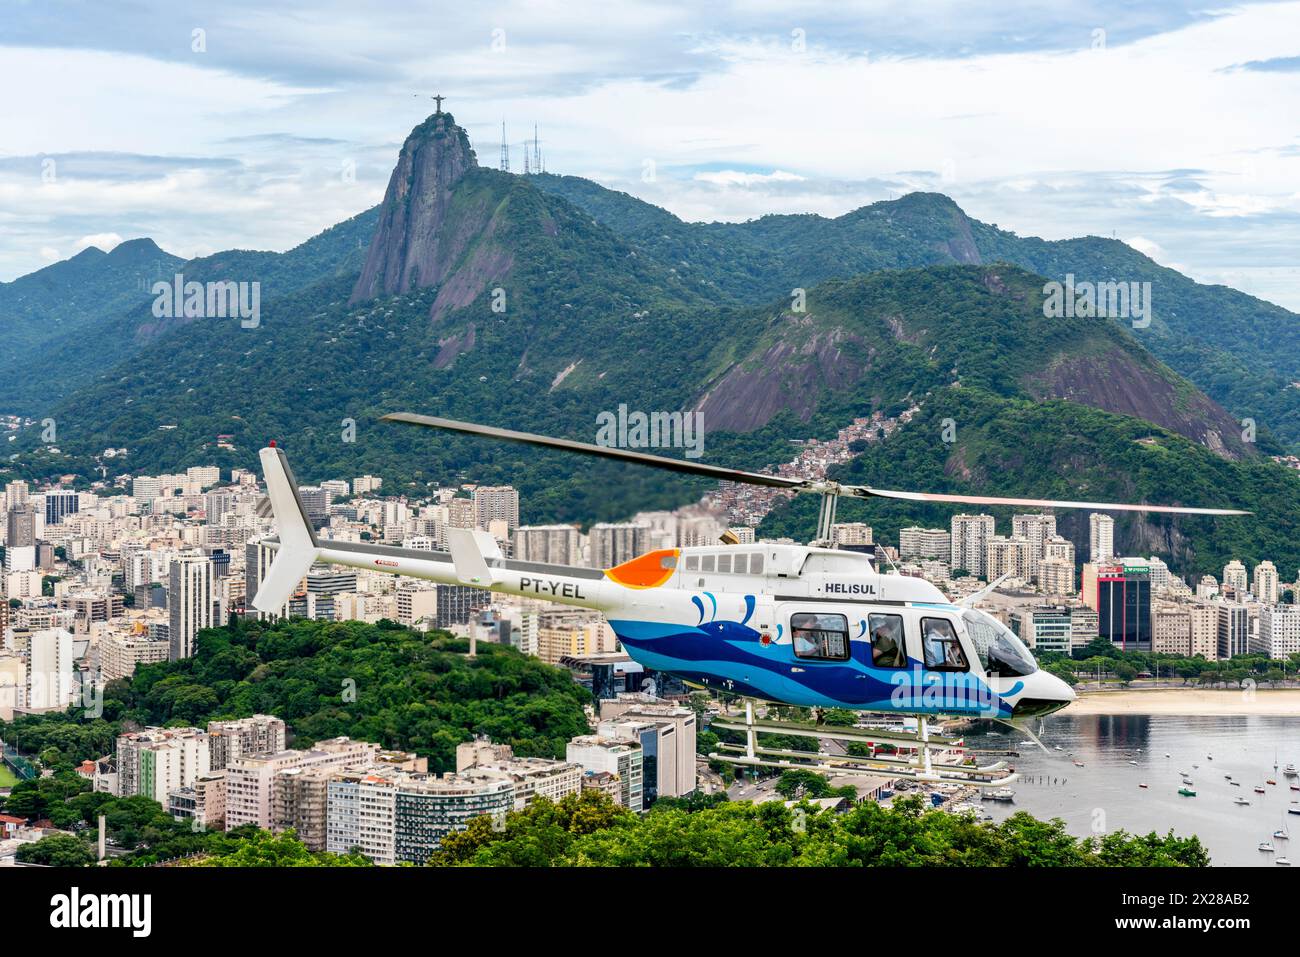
x=538, y=302
x=84, y=321
x=1242, y=351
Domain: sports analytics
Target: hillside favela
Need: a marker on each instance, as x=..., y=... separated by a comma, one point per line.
x=518, y=448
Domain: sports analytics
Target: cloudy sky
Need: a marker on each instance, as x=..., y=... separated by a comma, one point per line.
x=1171, y=126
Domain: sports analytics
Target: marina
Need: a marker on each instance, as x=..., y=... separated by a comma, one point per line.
x=1134, y=779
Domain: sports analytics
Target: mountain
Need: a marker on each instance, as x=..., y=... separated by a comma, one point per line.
x=1242, y=351
x=68, y=296
x=486, y=296
x=96, y=309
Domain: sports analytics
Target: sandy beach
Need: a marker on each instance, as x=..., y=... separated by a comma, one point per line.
x=1283, y=702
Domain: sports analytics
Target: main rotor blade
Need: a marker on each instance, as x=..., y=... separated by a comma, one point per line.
x=605, y=452
x=864, y=491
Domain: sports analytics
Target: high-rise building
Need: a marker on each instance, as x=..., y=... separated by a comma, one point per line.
x=22, y=527
x=121, y=654
x=204, y=801
x=1234, y=629
x=1101, y=538
x=970, y=540
x=1056, y=576
x=1279, y=631
x=1121, y=594
x=1205, y=630
x=231, y=740
x=316, y=503
x=1037, y=528
x=622, y=759
x=1266, y=582
x=417, y=603
x=1008, y=556
x=1171, y=629
x=51, y=684
x=60, y=503
x=16, y=494
x=253, y=781
x=399, y=817
x=548, y=544
x=155, y=761
x=667, y=735
x=497, y=503
x=917, y=542
x=614, y=544
x=189, y=602
x=1045, y=628
x=850, y=535
x=456, y=604
x=1234, y=577
x=572, y=632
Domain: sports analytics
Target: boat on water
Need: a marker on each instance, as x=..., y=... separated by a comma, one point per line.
x=1270, y=781
x=1079, y=764
x=1142, y=785
x=1235, y=784
x=1281, y=834
x=999, y=794
x=1290, y=771
x=1187, y=792
x=1134, y=763
x=1293, y=810
x=1242, y=801
x=1183, y=773
x=1266, y=847
x=1166, y=754
x=1058, y=747
x=1282, y=862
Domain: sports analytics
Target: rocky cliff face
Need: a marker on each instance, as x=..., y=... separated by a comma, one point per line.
x=411, y=249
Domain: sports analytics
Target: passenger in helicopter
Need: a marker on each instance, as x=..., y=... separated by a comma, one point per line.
x=887, y=641
x=942, y=649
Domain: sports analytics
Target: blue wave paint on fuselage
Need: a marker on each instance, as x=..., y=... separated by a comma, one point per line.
x=730, y=655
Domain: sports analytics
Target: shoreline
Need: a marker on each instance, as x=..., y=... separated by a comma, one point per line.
x=1281, y=702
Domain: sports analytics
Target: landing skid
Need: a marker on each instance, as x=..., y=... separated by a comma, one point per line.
x=920, y=767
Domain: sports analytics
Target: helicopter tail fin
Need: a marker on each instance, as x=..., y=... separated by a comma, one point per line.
x=298, y=545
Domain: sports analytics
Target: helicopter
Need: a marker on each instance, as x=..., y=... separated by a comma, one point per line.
x=810, y=626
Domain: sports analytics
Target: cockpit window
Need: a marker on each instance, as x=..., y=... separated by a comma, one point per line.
x=942, y=647
x=1000, y=652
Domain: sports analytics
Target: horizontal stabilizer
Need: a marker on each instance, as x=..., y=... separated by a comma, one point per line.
x=471, y=551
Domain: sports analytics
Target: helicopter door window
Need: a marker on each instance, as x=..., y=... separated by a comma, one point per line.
x=692, y=563
x=887, y=649
x=820, y=636
x=942, y=647
x=724, y=563
x=742, y=564
x=756, y=563
x=706, y=563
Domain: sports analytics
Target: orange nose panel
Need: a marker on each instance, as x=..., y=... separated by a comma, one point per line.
x=646, y=571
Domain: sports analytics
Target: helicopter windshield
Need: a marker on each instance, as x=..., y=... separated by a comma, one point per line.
x=1000, y=652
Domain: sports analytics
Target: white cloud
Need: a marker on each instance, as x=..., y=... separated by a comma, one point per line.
x=735, y=177
x=1009, y=111
x=104, y=241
